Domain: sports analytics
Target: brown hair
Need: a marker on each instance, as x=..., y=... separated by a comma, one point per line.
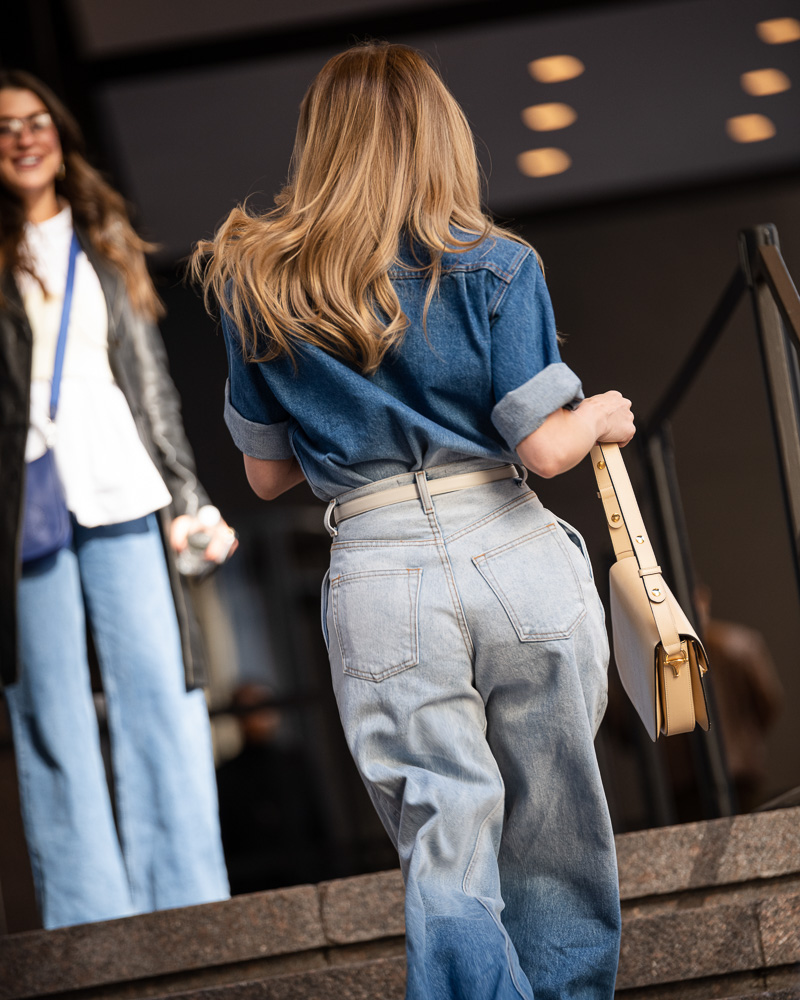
x=96, y=206
x=382, y=149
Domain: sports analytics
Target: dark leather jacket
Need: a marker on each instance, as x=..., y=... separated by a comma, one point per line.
x=139, y=363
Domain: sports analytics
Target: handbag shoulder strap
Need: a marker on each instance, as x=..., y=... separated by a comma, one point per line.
x=625, y=524
x=629, y=536
x=61, y=346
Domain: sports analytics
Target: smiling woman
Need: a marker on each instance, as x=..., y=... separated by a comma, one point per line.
x=86, y=391
x=30, y=152
x=42, y=167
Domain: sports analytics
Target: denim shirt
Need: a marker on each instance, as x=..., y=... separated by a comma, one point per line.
x=482, y=375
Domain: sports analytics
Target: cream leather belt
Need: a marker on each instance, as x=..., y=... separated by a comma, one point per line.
x=446, y=484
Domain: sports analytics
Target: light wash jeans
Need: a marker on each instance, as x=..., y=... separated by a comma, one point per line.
x=469, y=656
x=165, y=848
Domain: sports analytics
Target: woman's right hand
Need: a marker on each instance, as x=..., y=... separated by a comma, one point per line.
x=567, y=436
x=614, y=417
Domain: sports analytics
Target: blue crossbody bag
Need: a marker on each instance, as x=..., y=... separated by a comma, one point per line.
x=46, y=525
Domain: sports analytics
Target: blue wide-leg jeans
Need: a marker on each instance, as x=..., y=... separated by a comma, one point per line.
x=164, y=849
x=469, y=657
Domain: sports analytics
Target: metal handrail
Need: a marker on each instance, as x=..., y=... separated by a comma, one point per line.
x=776, y=304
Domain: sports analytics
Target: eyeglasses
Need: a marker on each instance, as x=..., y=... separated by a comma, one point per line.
x=12, y=129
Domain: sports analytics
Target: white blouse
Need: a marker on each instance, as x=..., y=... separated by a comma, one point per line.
x=107, y=473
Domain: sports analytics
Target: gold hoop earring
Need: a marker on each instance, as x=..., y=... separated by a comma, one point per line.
x=61, y=173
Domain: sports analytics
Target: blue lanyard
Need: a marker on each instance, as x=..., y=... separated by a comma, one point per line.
x=61, y=347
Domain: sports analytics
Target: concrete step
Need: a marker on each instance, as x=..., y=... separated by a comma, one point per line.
x=710, y=910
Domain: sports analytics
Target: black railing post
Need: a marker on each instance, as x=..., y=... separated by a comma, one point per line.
x=708, y=753
x=774, y=296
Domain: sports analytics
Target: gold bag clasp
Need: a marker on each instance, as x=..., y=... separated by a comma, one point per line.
x=676, y=661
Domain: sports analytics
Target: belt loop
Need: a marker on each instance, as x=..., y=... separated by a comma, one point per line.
x=333, y=532
x=523, y=478
x=424, y=495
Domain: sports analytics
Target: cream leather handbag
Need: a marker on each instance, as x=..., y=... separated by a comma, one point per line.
x=660, y=659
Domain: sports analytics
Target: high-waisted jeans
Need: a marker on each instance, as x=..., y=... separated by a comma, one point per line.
x=164, y=849
x=469, y=657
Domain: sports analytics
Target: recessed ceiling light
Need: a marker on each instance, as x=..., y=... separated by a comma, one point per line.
x=543, y=162
x=750, y=128
x=555, y=69
x=762, y=82
x=779, y=30
x=548, y=117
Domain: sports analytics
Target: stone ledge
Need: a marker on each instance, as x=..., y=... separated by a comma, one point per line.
x=737, y=986
x=384, y=979
x=670, y=936
x=363, y=908
x=689, y=944
x=282, y=922
x=738, y=893
x=716, y=852
x=700, y=942
x=779, y=921
x=792, y=993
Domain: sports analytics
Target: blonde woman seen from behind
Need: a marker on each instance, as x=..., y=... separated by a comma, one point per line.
x=391, y=345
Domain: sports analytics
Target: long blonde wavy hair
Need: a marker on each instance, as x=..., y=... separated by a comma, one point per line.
x=382, y=150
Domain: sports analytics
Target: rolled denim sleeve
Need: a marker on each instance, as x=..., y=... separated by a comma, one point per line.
x=256, y=420
x=529, y=378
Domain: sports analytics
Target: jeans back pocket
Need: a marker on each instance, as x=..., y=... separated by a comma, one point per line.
x=534, y=579
x=375, y=615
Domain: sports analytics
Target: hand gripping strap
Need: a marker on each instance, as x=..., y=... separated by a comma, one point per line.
x=629, y=537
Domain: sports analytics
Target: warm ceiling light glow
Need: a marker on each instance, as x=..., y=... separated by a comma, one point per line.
x=555, y=69
x=543, y=162
x=779, y=30
x=548, y=117
x=762, y=82
x=750, y=128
